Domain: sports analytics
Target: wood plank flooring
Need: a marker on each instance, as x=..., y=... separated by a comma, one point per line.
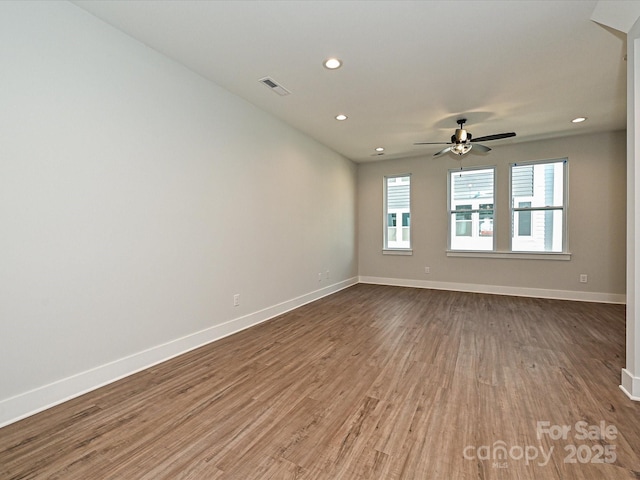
x=373, y=382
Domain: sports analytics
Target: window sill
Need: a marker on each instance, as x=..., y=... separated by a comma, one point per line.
x=513, y=255
x=397, y=251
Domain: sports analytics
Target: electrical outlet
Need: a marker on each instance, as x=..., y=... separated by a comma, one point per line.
x=320, y=276
x=427, y=269
x=326, y=275
x=236, y=300
x=583, y=278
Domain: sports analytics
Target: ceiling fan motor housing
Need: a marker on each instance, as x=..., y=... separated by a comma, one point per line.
x=461, y=136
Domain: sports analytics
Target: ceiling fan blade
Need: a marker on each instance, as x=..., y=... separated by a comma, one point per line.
x=481, y=148
x=496, y=136
x=433, y=143
x=444, y=150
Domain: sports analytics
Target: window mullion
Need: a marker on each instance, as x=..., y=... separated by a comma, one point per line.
x=528, y=209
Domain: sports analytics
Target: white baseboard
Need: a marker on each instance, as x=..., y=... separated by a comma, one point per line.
x=630, y=385
x=500, y=290
x=29, y=403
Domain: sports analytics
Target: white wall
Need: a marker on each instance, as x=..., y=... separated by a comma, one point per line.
x=136, y=198
x=597, y=208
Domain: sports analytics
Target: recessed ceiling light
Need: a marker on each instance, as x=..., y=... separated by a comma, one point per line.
x=332, y=63
x=579, y=119
x=341, y=117
x=380, y=149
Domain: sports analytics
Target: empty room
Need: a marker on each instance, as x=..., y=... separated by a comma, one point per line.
x=319, y=240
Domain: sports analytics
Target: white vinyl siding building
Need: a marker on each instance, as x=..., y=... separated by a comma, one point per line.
x=397, y=232
x=538, y=206
x=471, y=209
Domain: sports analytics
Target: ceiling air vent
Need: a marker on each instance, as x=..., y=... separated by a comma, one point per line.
x=273, y=85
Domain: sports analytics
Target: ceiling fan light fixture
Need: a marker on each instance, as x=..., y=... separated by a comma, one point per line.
x=461, y=148
x=379, y=149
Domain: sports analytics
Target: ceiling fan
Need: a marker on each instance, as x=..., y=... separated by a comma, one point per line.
x=461, y=142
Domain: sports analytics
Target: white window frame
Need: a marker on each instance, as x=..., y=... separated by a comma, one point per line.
x=474, y=211
x=385, y=240
x=564, y=208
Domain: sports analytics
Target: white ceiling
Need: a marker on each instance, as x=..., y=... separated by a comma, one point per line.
x=411, y=68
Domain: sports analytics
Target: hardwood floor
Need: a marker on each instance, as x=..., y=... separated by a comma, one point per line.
x=373, y=382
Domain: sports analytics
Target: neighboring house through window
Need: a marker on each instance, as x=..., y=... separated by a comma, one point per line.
x=471, y=209
x=397, y=232
x=538, y=206
x=538, y=209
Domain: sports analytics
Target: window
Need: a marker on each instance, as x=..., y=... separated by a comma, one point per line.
x=538, y=206
x=471, y=209
x=397, y=232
